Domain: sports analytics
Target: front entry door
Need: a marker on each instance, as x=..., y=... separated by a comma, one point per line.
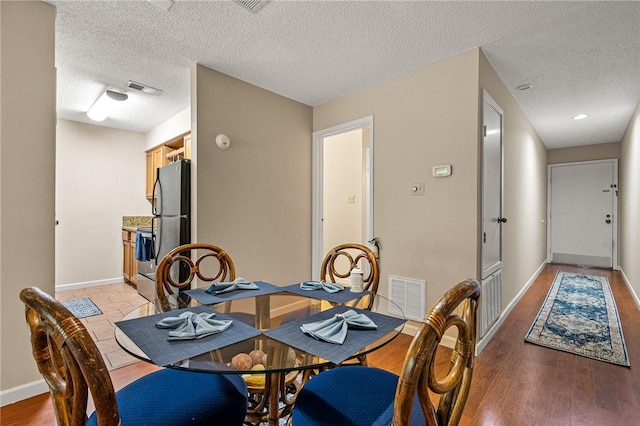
x=582, y=213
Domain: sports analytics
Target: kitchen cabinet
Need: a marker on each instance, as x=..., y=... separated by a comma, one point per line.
x=129, y=263
x=155, y=160
x=163, y=154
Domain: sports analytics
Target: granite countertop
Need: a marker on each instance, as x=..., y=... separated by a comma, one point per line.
x=132, y=223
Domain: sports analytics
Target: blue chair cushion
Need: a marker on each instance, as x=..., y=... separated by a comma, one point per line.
x=171, y=397
x=350, y=396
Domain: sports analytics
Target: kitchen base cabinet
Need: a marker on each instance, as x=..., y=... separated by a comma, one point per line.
x=130, y=265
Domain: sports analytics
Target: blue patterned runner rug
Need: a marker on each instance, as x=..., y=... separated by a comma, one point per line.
x=82, y=308
x=580, y=316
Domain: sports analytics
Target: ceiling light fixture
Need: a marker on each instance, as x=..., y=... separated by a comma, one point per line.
x=580, y=116
x=526, y=86
x=105, y=105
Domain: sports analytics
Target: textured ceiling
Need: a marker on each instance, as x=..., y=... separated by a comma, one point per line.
x=578, y=56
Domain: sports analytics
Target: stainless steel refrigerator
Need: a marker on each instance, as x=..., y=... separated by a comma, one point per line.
x=171, y=225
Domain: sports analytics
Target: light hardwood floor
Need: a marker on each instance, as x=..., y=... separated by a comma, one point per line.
x=514, y=383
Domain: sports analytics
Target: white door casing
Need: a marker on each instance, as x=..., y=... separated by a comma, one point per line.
x=583, y=213
x=318, y=179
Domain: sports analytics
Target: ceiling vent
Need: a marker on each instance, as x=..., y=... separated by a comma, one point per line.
x=143, y=88
x=252, y=5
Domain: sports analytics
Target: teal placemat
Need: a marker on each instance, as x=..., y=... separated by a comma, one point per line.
x=291, y=334
x=343, y=296
x=153, y=340
x=211, y=299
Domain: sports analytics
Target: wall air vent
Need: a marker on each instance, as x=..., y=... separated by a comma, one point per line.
x=409, y=297
x=143, y=88
x=251, y=5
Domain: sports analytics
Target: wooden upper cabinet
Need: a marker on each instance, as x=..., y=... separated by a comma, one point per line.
x=163, y=154
x=187, y=146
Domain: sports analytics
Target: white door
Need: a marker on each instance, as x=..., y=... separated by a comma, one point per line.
x=582, y=213
x=492, y=219
x=342, y=187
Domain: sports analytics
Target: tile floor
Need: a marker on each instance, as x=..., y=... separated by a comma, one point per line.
x=115, y=301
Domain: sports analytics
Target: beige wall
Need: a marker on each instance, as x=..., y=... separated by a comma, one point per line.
x=27, y=171
x=602, y=151
x=253, y=199
x=100, y=177
x=175, y=126
x=421, y=119
x=525, y=188
x=629, y=254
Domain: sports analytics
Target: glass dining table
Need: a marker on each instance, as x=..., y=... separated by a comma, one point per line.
x=264, y=343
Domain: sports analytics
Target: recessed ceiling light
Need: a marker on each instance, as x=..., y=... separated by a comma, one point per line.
x=524, y=86
x=580, y=116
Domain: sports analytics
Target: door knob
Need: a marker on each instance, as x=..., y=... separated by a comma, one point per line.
x=502, y=219
x=608, y=220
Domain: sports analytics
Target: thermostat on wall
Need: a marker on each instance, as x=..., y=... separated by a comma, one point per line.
x=442, y=171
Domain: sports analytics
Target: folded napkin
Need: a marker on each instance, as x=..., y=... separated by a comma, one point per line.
x=226, y=287
x=188, y=325
x=334, y=329
x=317, y=285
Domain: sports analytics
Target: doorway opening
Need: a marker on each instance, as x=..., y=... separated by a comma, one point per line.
x=342, y=187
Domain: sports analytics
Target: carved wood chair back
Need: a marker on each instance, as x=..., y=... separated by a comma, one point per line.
x=405, y=399
x=69, y=361
x=457, y=308
x=210, y=264
x=340, y=260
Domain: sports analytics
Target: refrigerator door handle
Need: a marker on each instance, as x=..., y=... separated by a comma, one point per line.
x=156, y=241
x=155, y=211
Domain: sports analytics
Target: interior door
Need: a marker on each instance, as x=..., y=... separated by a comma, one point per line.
x=491, y=188
x=343, y=189
x=582, y=218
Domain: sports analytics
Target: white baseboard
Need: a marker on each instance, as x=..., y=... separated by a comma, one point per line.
x=21, y=392
x=503, y=315
x=631, y=290
x=86, y=284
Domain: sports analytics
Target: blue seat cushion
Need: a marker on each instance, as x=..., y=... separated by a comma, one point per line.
x=350, y=396
x=171, y=397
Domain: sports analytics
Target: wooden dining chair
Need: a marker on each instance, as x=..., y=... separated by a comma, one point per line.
x=337, y=264
x=177, y=270
x=358, y=395
x=73, y=368
x=340, y=260
x=210, y=264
